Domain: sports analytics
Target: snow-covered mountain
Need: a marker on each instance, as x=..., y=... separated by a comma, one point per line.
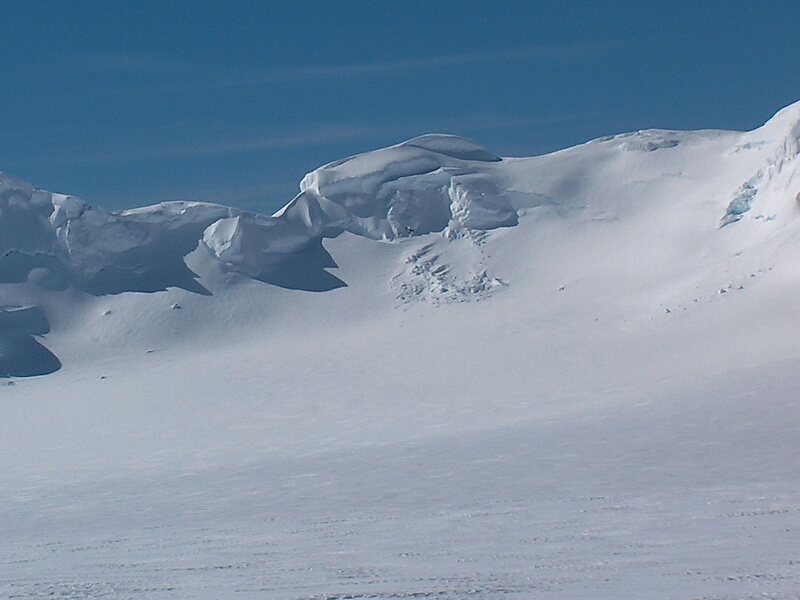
x=434, y=371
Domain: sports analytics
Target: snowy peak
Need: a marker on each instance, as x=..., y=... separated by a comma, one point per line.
x=785, y=122
x=452, y=146
x=772, y=186
x=433, y=183
x=421, y=186
x=400, y=191
x=416, y=187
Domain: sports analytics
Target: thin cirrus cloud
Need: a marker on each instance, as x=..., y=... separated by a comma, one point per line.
x=315, y=137
x=312, y=73
x=194, y=78
x=246, y=145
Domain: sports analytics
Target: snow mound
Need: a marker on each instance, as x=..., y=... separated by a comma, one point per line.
x=55, y=241
x=413, y=188
x=271, y=250
x=428, y=184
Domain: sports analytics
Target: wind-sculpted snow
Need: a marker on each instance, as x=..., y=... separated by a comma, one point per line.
x=273, y=251
x=413, y=188
x=424, y=185
x=417, y=187
x=421, y=186
x=55, y=241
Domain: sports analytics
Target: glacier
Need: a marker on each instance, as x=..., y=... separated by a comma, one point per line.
x=435, y=372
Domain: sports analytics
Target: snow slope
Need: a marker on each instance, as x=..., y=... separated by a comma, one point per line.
x=433, y=373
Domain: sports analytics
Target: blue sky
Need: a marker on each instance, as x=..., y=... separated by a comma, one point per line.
x=130, y=103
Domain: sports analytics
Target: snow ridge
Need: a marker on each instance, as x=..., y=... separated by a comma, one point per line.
x=413, y=188
x=433, y=184
x=785, y=125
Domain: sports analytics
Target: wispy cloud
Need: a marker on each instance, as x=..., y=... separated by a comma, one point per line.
x=391, y=67
x=224, y=147
x=39, y=132
x=318, y=136
x=126, y=62
x=187, y=77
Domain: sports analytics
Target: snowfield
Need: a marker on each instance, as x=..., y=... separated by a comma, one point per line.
x=435, y=373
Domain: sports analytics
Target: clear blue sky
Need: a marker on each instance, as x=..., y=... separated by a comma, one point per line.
x=128, y=103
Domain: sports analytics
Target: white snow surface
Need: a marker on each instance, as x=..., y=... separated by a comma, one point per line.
x=435, y=373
